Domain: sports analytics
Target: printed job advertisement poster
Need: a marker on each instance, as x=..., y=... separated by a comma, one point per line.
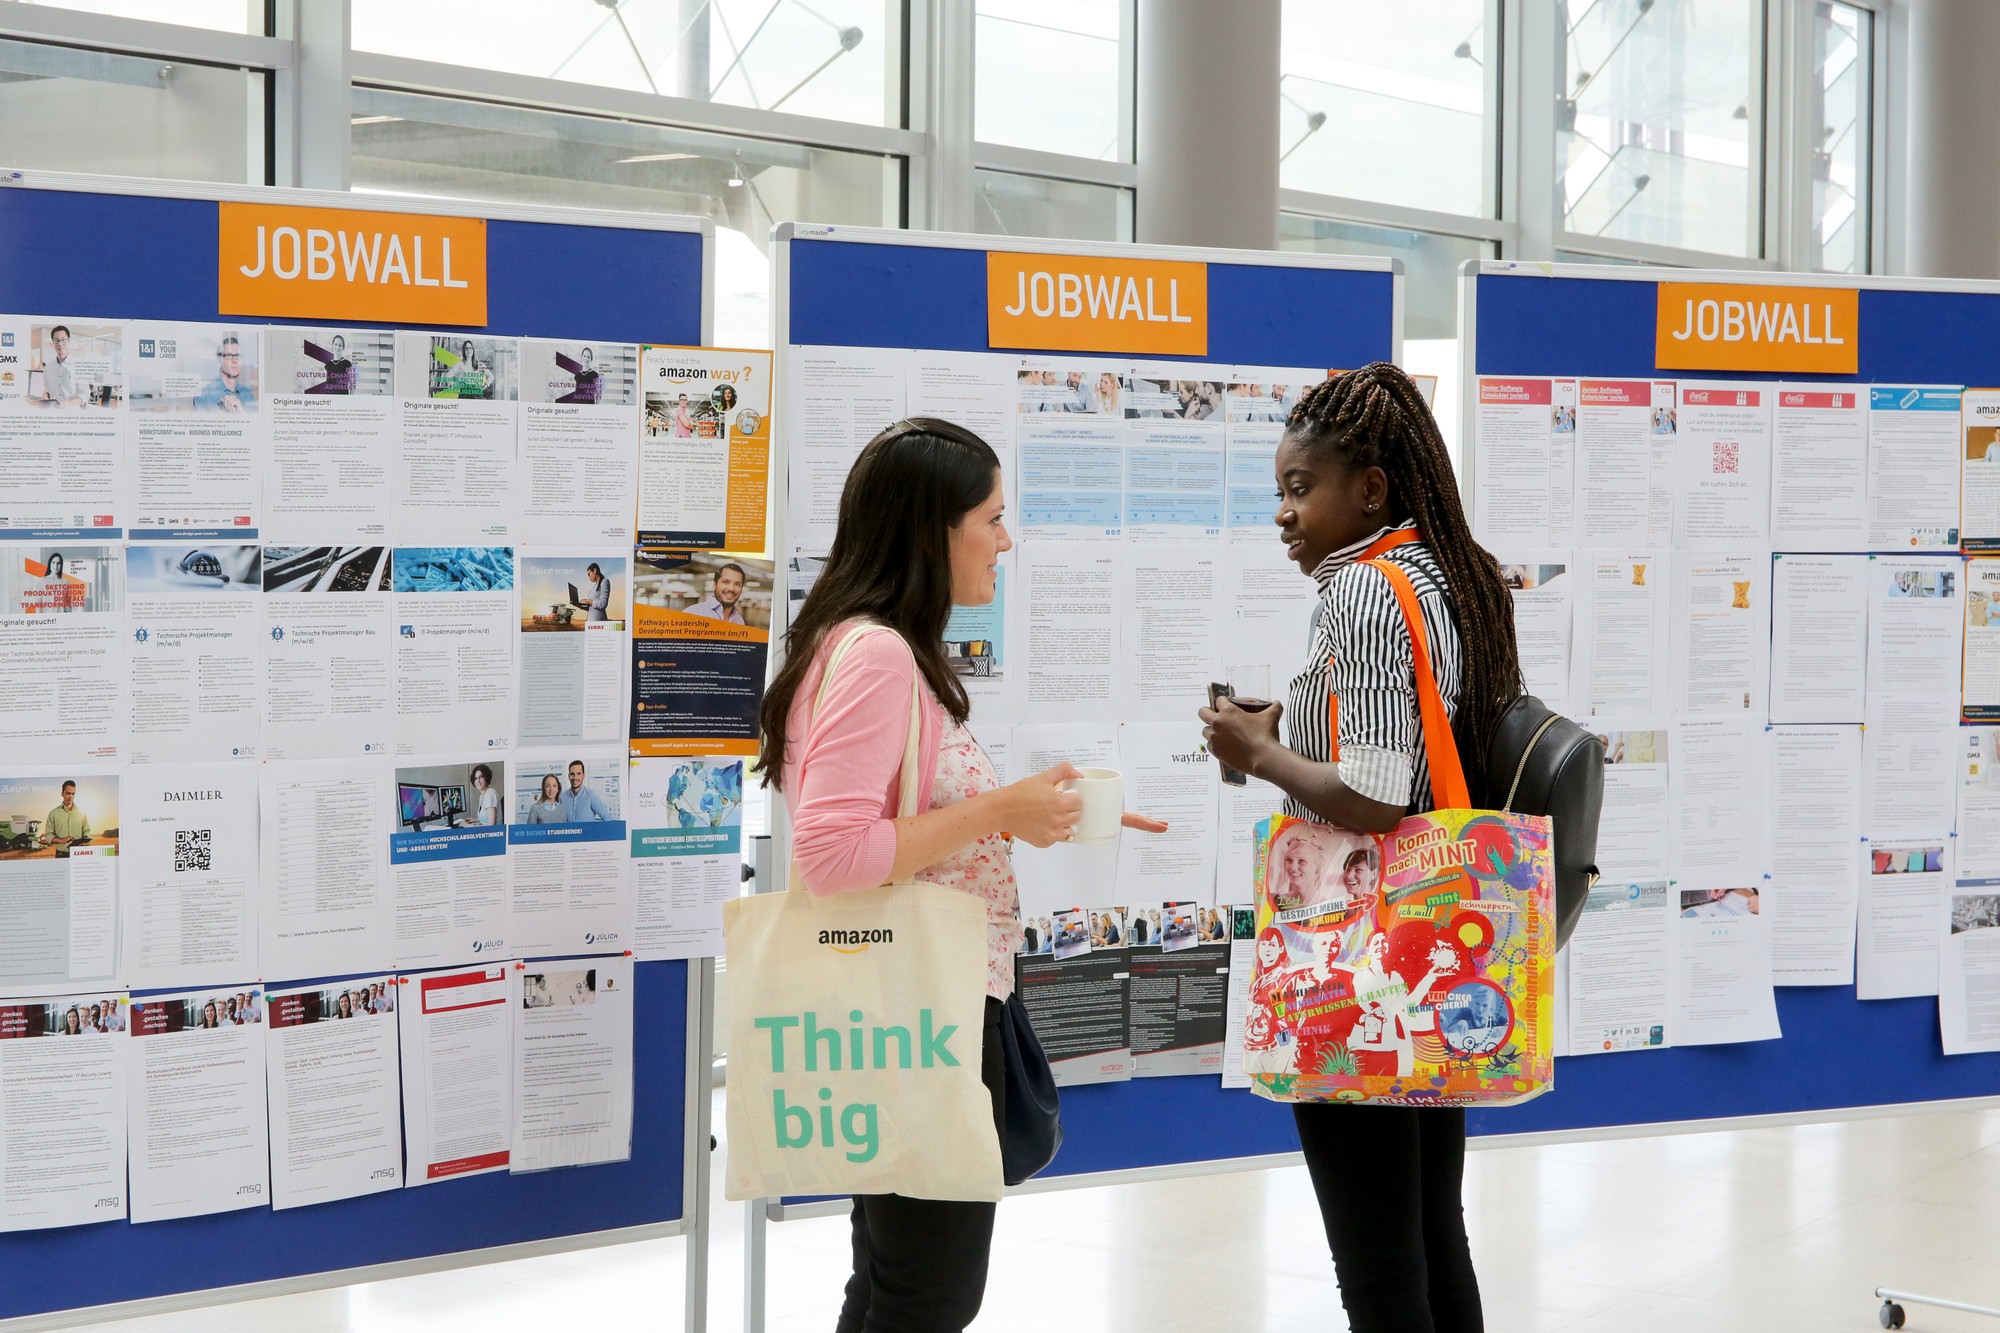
x=1174, y=629
x=1815, y=820
x=1527, y=461
x=1916, y=628
x=1981, y=688
x=333, y=429
x=845, y=397
x=1072, y=469
x=1621, y=659
x=975, y=645
x=1722, y=466
x=1819, y=637
x=456, y=1031
x=1819, y=468
x=1171, y=776
x=1722, y=968
x=1913, y=453
x=62, y=413
x=572, y=1064
x=197, y=430
x=1969, y=953
x=1269, y=605
x=62, y=1111
x=59, y=835
x=1719, y=775
x=687, y=852
x=332, y=1072
x=571, y=881
x=1618, y=968
x=705, y=452
x=1624, y=434
x=1909, y=761
x=453, y=608
x=1068, y=615
x=448, y=857
x=62, y=649
x=455, y=468
x=1079, y=1003
x=579, y=440
x=1979, y=802
x=1544, y=595
x=196, y=619
x=1175, y=484
x=1722, y=634
x=189, y=888
x=1979, y=474
x=194, y=1075
x=975, y=390
x=1068, y=874
x=701, y=638
x=326, y=652
x=1904, y=887
x=1178, y=996
x=1633, y=841
x=325, y=892
x=575, y=609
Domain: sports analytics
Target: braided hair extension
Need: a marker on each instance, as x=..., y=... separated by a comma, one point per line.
x=1377, y=417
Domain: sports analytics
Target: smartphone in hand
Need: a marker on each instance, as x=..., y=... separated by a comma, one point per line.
x=1216, y=694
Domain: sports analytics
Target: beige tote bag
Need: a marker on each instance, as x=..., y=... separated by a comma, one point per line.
x=855, y=1023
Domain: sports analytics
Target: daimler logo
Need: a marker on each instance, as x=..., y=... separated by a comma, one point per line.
x=855, y=941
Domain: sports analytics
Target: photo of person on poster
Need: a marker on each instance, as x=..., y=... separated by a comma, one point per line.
x=725, y=592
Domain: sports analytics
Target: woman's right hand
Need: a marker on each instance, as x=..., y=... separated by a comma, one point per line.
x=1038, y=811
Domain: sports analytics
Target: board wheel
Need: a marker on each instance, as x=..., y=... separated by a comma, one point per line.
x=1890, y=1315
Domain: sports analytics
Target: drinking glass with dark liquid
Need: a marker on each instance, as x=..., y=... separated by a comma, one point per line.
x=1249, y=688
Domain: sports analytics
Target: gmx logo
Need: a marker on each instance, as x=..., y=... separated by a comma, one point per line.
x=146, y=348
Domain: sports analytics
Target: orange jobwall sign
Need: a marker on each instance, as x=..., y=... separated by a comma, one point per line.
x=1731, y=326
x=1087, y=303
x=342, y=263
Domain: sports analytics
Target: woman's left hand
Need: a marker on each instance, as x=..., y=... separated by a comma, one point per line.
x=1236, y=737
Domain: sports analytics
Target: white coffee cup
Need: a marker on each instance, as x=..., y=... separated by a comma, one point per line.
x=1103, y=813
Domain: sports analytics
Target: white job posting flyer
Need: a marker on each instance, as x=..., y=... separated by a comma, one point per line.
x=457, y=1036
x=1543, y=589
x=1913, y=450
x=1722, y=467
x=1527, y=461
x=1624, y=436
x=189, y=878
x=62, y=1111
x=333, y=434
x=62, y=641
x=1633, y=842
x=1175, y=482
x=1815, y=820
x=1069, y=874
x=194, y=1075
x=1070, y=443
x=448, y=860
x=58, y=878
x=1819, y=468
x=1969, y=949
x=1618, y=963
x=333, y=1080
x=1819, y=637
x=1916, y=630
x=575, y=643
x=1173, y=609
x=1167, y=769
x=1979, y=474
x=1722, y=967
x=1981, y=687
x=454, y=478
x=1719, y=775
x=195, y=614
x=846, y=396
x=572, y=1064
x=1621, y=661
x=324, y=888
x=327, y=652
x=196, y=430
x=454, y=612
x=1721, y=634
x=579, y=440
x=1905, y=883
x=1068, y=617
x=687, y=852
x=566, y=837
x=62, y=412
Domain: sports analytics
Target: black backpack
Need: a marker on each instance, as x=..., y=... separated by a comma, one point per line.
x=1539, y=762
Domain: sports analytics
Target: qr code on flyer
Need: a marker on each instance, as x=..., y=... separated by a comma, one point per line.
x=191, y=849
x=1725, y=457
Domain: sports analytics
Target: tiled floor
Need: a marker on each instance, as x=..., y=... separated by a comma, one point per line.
x=1773, y=1230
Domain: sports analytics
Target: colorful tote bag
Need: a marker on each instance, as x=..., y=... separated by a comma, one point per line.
x=1414, y=968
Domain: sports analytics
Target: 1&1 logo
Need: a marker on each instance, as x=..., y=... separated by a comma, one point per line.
x=146, y=348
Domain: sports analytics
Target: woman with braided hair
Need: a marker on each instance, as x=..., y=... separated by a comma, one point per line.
x=1363, y=474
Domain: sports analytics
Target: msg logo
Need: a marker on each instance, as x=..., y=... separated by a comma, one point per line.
x=387, y=1172
x=250, y=1189
x=855, y=941
x=111, y=1202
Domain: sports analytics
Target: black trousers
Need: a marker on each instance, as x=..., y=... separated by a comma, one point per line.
x=1388, y=1180
x=920, y=1264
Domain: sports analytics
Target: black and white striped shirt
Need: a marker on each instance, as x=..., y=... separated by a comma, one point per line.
x=1361, y=655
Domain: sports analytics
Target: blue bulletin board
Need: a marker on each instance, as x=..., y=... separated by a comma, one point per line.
x=1596, y=320
x=126, y=249
x=849, y=287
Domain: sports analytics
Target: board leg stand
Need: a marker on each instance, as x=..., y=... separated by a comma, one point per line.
x=753, y=1265
x=1891, y=1313
x=701, y=1127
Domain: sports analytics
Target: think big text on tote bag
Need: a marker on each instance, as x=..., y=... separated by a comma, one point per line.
x=854, y=1031
x=1414, y=968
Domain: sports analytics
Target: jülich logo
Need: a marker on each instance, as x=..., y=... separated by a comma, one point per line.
x=792, y=1123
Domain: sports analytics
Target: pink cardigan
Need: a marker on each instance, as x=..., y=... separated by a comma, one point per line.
x=842, y=772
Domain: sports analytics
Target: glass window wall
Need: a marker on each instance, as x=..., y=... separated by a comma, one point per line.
x=1386, y=102
x=244, y=16
x=1008, y=205
x=1050, y=75
x=838, y=59
x=1843, y=90
x=1430, y=264
x=1659, y=120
